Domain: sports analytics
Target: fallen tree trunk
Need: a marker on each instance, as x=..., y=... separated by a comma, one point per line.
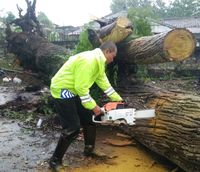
x=174, y=133
x=176, y=45
x=33, y=50
x=36, y=53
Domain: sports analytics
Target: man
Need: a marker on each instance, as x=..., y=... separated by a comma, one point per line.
x=70, y=89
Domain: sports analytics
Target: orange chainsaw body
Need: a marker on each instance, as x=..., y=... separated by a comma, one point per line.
x=113, y=105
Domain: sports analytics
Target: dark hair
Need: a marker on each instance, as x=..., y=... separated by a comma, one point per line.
x=108, y=45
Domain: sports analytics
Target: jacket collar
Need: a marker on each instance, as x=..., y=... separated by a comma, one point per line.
x=101, y=55
x=101, y=59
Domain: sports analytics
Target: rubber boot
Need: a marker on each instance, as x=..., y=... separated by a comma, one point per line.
x=89, y=133
x=65, y=140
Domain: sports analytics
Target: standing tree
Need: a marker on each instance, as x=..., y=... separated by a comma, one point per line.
x=183, y=8
x=9, y=17
x=44, y=20
x=119, y=5
x=176, y=8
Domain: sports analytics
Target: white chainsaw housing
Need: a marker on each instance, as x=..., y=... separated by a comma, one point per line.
x=127, y=115
x=120, y=114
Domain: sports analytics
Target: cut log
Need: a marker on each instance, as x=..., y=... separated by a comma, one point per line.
x=115, y=30
x=175, y=131
x=176, y=45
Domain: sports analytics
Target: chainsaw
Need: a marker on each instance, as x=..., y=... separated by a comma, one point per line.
x=117, y=113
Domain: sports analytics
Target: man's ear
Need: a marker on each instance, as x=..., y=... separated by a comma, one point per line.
x=107, y=51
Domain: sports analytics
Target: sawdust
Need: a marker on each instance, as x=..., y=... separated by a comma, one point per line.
x=117, y=142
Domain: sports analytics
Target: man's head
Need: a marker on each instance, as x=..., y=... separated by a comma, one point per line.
x=109, y=50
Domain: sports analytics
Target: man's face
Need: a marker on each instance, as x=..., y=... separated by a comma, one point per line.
x=110, y=55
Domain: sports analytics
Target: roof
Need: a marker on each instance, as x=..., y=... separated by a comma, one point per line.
x=115, y=15
x=165, y=25
x=189, y=22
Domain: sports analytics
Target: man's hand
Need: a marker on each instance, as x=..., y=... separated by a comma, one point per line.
x=97, y=110
x=125, y=102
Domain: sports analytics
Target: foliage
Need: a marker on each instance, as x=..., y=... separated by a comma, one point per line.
x=23, y=116
x=2, y=35
x=84, y=43
x=175, y=8
x=119, y=5
x=183, y=8
x=142, y=73
x=112, y=73
x=10, y=17
x=160, y=8
x=3, y=20
x=53, y=36
x=178, y=8
x=140, y=19
x=47, y=107
x=44, y=20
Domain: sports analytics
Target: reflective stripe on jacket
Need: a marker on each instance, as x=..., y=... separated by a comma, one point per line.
x=79, y=73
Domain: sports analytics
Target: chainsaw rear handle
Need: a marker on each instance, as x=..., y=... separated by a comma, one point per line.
x=94, y=116
x=95, y=121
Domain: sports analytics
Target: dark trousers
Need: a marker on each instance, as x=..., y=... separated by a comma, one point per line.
x=72, y=114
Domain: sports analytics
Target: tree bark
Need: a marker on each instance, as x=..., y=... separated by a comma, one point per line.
x=174, y=132
x=176, y=45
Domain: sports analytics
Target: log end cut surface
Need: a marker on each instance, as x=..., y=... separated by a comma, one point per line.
x=119, y=32
x=179, y=44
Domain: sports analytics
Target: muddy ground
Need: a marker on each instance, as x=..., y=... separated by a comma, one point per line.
x=24, y=147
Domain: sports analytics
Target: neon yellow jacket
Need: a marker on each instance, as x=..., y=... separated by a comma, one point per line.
x=79, y=73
